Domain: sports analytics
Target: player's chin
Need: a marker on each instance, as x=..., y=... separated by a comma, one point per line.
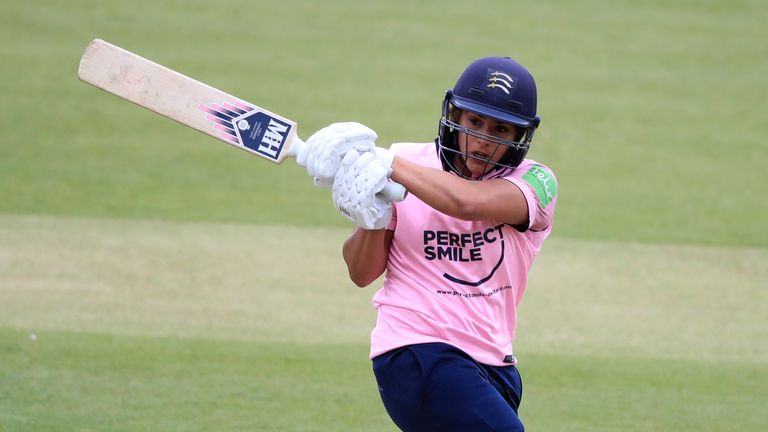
x=477, y=169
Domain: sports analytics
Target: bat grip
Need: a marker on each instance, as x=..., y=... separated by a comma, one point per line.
x=391, y=192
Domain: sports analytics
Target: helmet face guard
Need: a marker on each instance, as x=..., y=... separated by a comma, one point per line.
x=497, y=88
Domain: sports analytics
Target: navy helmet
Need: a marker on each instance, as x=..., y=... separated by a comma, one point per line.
x=498, y=88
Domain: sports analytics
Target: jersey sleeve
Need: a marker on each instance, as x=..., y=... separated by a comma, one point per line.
x=393, y=222
x=539, y=186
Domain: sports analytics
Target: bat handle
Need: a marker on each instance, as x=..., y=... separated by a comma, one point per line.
x=391, y=192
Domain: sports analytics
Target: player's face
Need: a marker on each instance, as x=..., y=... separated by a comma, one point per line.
x=481, y=149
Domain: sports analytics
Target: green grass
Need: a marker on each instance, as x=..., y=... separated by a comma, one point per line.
x=82, y=381
x=572, y=393
x=653, y=111
x=194, y=326
x=177, y=284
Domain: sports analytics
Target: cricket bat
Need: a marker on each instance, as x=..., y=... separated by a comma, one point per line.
x=197, y=105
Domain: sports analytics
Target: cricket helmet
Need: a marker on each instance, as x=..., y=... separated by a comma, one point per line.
x=498, y=88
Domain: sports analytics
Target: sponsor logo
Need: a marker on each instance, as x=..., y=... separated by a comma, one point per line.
x=543, y=183
x=464, y=247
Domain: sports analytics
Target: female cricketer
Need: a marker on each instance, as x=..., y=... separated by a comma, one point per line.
x=455, y=252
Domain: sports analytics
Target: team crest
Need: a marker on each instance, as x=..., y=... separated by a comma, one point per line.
x=501, y=81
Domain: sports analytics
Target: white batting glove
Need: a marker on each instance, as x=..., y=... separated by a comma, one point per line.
x=323, y=151
x=357, y=181
x=385, y=158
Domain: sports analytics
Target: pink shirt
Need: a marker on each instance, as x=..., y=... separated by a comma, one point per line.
x=455, y=281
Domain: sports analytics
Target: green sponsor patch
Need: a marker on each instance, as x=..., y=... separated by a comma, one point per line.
x=543, y=183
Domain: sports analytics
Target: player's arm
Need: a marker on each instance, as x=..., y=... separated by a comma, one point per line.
x=495, y=199
x=366, y=253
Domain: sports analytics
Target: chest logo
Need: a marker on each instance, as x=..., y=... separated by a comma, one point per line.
x=463, y=247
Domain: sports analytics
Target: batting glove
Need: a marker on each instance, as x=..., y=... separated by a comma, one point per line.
x=385, y=158
x=355, y=186
x=323, y=151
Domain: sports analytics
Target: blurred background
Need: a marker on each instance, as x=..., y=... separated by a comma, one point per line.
x=152, y=278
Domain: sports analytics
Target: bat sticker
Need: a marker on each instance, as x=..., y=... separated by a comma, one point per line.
x=249, y=127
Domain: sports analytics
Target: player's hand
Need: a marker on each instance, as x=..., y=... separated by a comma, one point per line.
x=323, y=151
x=357, y=181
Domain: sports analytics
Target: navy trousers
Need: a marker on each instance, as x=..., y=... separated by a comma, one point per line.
x=437, y=387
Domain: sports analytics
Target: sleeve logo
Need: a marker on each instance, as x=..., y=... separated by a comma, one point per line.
x=543, y=183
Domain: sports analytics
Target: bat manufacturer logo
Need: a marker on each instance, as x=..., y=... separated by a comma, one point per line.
x=249, y=127
x=501, y=81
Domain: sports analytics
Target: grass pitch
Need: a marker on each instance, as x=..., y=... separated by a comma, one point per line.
x=153, y=279
x=653, y=112
x=183, y=326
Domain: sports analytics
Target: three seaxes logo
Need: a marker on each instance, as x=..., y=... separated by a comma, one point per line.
x=501, y=81
x=248, y=126
x=463, y=247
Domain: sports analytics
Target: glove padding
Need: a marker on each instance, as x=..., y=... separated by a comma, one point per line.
x=357, y=181
x=323, y=151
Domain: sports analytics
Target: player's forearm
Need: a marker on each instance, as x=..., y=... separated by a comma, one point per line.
x=366, y=253
x=440, y=190
x=496, y=199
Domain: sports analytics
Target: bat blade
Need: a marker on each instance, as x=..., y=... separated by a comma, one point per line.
x=188, y=101
x=196, y=104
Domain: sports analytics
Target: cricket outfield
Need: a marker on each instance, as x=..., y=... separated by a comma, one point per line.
x=154, y=279
x=201, y=326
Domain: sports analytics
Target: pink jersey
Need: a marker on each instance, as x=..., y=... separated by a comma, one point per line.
x=455, y=281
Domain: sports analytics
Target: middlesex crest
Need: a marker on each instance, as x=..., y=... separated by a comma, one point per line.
x=501, y=81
